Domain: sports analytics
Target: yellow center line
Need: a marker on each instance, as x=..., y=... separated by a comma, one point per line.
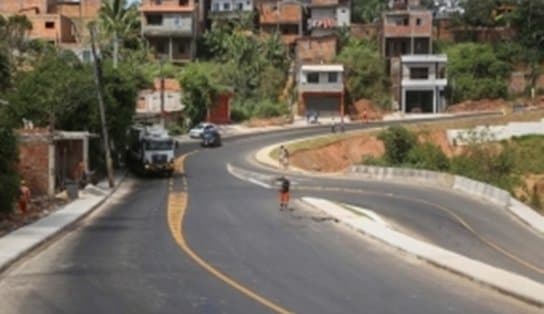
x=177, y=206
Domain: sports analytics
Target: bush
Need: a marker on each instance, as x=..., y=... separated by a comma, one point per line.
x=9, y=179
x=496, y=166
x=398, y=142
x=477, y=71
x=365, y=71
x=269, y=109
x=175, y=129
x=370, y=160
x=428, y=156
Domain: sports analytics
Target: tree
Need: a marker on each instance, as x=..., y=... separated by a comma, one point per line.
x=59, y=85
x=476, y=72
x=364, y=70
x=528, y=19
x=119, y=21
x=5, y=71
x=202, y=82
x=13, y=32
x=62, y=86
x=398, y=142
x=478, y=12
x=9, y=180
x=368, y=11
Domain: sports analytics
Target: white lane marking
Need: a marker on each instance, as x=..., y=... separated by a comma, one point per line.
x=259, y=183
x=370, y=214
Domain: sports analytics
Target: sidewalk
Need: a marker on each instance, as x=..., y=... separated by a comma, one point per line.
x=16, y=244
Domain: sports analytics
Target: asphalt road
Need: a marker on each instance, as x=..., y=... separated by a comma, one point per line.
x=123, y=259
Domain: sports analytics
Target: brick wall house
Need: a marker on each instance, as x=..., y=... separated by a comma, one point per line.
x=60, y=22
x=46, y=161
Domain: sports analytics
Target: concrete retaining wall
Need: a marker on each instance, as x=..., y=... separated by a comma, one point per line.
x=483, y=190
x=495, y=133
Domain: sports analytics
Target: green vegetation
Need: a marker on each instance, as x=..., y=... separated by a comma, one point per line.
x=398, y=142
x=365, y=72
x=120, y=24
x=9, y=179
x=202, y=82
x=475, y=72
x=502, y=164
x=367, y=11
x=252, y=65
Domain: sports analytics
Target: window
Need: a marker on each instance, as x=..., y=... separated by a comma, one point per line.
x=49, y=24
x=154, y=19
x=183, y=3
x=240, y=6
x=158, y=2
x=248, y=3
x=419, y=73
x=418, y=21
x=226, y=6
x=333, y=77
x=215, y=7
x=312, y=77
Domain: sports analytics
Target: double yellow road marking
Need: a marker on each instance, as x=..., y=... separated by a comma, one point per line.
x=177, y=205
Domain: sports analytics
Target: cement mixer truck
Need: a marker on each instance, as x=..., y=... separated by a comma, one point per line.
x=151, y=150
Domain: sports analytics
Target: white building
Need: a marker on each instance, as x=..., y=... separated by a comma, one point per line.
x=423, y=80
x=230, y=6
x=321, y=89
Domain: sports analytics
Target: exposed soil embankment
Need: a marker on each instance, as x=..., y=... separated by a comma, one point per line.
x=338, y=155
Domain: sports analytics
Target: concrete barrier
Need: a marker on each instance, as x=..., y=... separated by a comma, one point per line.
x=527, y=215
x=468, y=186
x=483, y=190
x=391, y=173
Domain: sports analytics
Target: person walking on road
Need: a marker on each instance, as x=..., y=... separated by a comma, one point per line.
x=284, y=192
x=284, y=157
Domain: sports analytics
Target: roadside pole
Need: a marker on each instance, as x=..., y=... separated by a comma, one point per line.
x=98, y=81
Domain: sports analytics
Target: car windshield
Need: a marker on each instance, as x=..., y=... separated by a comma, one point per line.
x=159, y=145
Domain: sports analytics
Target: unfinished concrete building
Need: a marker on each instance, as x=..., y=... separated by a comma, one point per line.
x=418, y=78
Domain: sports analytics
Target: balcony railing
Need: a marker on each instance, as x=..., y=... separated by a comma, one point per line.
x=321, y=87
x=168, y=30
x=424, y=82
x=323, y=23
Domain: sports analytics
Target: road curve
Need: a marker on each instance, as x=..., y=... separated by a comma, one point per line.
x=124, y=258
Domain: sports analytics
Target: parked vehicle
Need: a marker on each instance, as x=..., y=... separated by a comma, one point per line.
x=151, y=150
x=211, y=138
x=197, y=131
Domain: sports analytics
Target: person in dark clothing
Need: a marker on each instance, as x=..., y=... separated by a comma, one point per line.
x=284, y=192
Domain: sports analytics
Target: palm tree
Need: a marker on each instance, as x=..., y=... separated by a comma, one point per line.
x=118, y=21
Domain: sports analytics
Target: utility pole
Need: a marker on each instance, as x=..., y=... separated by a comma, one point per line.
x=163, y=123
x=98, y=81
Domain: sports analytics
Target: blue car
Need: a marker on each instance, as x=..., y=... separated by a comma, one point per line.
x=210, y=138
